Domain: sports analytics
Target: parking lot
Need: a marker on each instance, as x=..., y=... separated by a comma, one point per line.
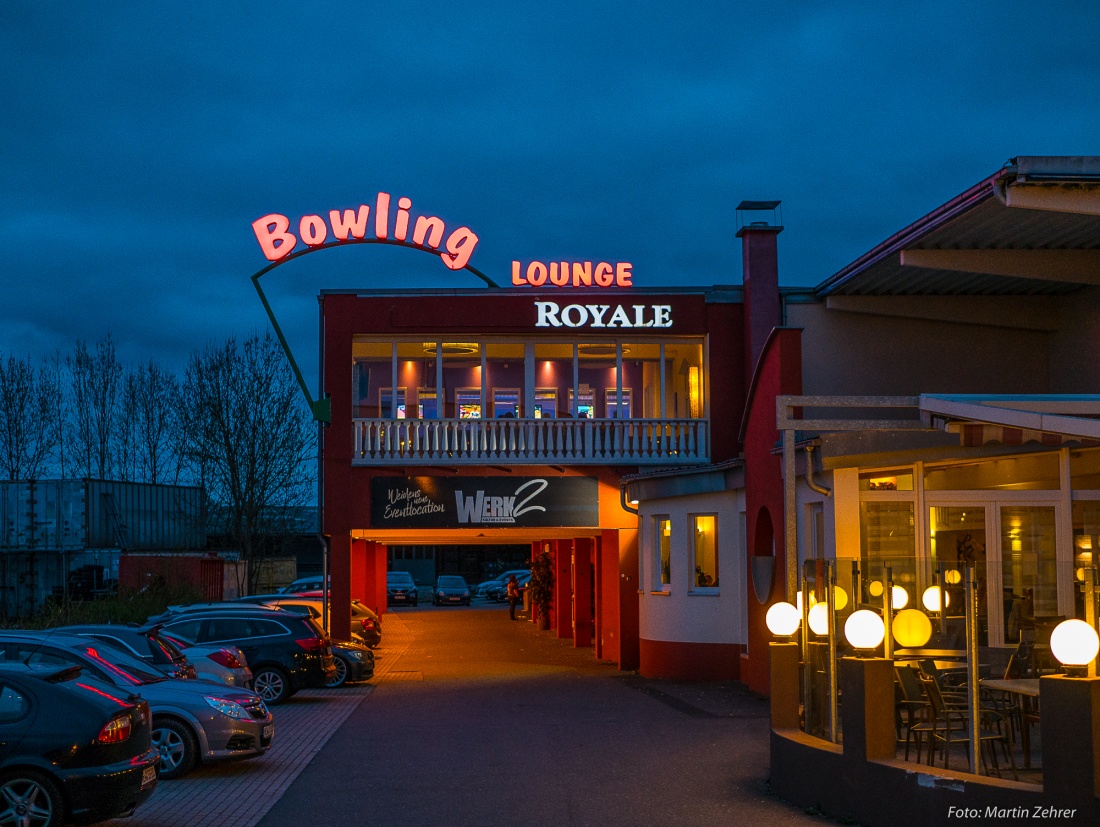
x=473, y=719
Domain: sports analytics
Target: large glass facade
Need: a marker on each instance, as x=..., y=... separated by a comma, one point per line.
x=593, y=379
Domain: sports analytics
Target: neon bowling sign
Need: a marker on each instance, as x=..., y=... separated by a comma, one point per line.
x=277, y=242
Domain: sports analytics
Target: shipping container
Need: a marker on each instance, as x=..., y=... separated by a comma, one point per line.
x=71, y=515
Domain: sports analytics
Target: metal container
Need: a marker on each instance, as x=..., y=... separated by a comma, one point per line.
x=71, y=515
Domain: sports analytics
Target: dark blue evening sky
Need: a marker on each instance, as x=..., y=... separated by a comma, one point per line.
x=139, y=141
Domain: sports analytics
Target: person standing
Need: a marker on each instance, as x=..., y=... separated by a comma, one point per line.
x=513, y=596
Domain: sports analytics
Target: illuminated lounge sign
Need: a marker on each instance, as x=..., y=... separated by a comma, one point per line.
x=496, y=502
x=575, y=274
x=277, y=241
x=552, y=314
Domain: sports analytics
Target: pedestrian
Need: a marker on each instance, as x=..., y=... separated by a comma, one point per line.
x=513, y=596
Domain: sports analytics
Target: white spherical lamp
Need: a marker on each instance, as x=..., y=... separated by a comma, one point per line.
x=1075, y=644
x=864, y=629
x=899, y=598
x=911, y=628
x=819, y=619
x=932, y=599
x=783, y=619
x=840, y=598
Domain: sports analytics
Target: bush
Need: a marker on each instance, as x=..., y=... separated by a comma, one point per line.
x=130, y=606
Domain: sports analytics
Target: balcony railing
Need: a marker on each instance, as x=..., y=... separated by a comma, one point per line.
x=531, y=441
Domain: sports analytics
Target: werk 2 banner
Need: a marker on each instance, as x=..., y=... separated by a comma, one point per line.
x=498, y=502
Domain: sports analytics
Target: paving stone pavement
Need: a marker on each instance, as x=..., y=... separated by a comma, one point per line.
x=239, y=793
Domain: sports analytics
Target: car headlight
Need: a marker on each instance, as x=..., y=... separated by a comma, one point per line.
x=227, y=707
x=353, y=653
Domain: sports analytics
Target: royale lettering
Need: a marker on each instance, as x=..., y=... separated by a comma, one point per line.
x=277, y=242
x=577, y=274
x=550, y=314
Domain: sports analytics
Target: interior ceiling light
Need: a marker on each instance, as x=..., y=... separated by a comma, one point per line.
x=600, y=350
x=452, y=348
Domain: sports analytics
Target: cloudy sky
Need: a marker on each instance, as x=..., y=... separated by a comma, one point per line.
x=138, y=142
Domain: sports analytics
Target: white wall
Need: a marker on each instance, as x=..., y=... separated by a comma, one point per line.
x=683, y=614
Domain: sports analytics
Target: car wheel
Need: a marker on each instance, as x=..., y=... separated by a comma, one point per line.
x=31, y=799
x=272, y=684
x=341, y=676
x=177, y=747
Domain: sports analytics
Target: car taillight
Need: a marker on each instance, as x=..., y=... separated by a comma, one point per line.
x=115, y=731
x=226, y=659
x=368, y=624
x=311, y=644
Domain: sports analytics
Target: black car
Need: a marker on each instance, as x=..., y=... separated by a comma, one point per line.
x=354, y=663
x=286, y=651
x=72, y=749
x=145, y=642
x=401, y=588
x=451, y=589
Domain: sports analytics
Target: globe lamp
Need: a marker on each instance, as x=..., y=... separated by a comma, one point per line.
x=840, y=598
x=783, y=619
x=819, y=619
x=864, y=630
x=911, y=628
x=1075, y=644
x=874, y=588
x=899, y=597
x=952, y=577
x=931, y=599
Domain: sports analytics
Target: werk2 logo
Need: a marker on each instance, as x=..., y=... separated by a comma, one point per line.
x=480, y=508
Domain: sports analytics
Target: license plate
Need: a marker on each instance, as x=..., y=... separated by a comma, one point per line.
x=148, y=776
x=269, y=730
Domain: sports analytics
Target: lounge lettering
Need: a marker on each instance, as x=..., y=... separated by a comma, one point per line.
x=551, y=314
x=277, y=241
x=575, y=274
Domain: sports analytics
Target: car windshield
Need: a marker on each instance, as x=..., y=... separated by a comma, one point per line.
x=399, y=578
x=451, y=583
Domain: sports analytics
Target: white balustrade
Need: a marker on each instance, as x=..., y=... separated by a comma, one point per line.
x=531, y=441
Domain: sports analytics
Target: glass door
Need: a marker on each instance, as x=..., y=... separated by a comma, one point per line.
x=957, y=539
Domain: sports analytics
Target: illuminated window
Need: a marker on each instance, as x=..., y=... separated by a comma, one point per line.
x=704, y=534
x=664, y=551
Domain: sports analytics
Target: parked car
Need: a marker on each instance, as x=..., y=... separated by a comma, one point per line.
x=221, y=663
x=481, y=590
x=401, y=588
x=500, y=592
x=286, y=651
x=145, y=642
x=193, y=721
x=354, y=663
x=74, y=750
x=366, y=626
x=450, y=589
x=304, y=584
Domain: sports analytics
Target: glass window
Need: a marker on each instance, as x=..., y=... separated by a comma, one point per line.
x=546, y=403
x=1028, y=569
x=685, y=381
x=385, y=403
x=227, y=628
x=887, y=535
x=705, y=541
x=506, y=403
x=371, y=370
x=611, y=403
x=586, y=406
x=553, y=378
x=505, y=375
x=886, y=481
x=1084, y=470
x=13, y=705
x=426, y=407
x=186, y=630
x=664, y=551
x=1029, y=472
x=642, y=371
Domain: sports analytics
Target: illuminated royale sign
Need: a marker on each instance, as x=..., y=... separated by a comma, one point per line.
x=459, y=502
x=277, y=242
x=551, y=314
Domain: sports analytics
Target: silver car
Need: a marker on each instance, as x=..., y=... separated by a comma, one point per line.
x=193, y=721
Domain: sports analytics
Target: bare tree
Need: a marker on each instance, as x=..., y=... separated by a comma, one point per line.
x=55, y=376
x=96, y=407
x=151, y=397
x=27, y=437
x=250, y=441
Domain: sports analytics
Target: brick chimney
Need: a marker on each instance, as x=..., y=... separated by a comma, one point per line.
x=758, y=223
